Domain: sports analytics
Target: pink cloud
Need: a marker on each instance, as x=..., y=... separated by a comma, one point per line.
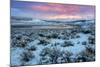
x=59, y=8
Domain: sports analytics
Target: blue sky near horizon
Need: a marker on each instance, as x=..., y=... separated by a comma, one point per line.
x=43, y=10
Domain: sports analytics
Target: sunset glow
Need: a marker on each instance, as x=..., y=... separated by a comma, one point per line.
x=65, y=17
x=45, y=10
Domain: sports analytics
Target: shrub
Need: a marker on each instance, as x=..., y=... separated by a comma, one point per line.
x=48, y=37
x=78, y=36
x=67, y=44
x=72, y=36
x=93, y=32
x=32, y=48
x=41, y=35
x=74, y=31
x=81, y=59
x=86, y=31
x=78, y=42
x=90, y=51
x=45, y=60
x=45, y=51
x=54, y=35
x=20, y=41
x=84, y=43
x=54, y=56
x=43, y=42
x=91, y=40
x=55, y=44
x=87, y=55
x=26, y=56
x=18, y=38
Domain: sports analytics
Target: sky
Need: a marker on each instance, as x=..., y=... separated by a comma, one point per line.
x=44, y=10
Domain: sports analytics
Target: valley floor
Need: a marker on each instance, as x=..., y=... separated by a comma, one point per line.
x=52, y=46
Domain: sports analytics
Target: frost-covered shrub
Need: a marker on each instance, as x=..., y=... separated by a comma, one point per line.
x=90, y=50
x=19, y=43
x=63, y=33
x=43, y=42
x=72, y=36
x=81, y=58
x=86, y=31
x=45, y=60
x=26, y=56
x=67, y=44
x=77, y=36
x=93, y=32
x=56, y=44
x=45, y=51
x=54, y=35
x=84, y=43
x=74, y=31
x=67, y=34
x=20, y=40
x=41, y=35
x=55, y=56
x=91, y=40
x=78, y=42
x=18, y=37
x=62, y=37
x=48, y=36
x=32, y=48
x=87, y=55
x=30, y=34
x=22, y=43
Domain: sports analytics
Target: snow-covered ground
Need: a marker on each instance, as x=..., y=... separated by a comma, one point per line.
x=51, y=46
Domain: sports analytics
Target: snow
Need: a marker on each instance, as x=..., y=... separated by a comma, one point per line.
x=15, y=56
x=75, y=49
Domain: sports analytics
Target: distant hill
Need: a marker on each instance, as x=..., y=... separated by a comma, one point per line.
x=17, y=18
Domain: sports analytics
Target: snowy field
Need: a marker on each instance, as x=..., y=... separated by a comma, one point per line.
x=52, y=46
